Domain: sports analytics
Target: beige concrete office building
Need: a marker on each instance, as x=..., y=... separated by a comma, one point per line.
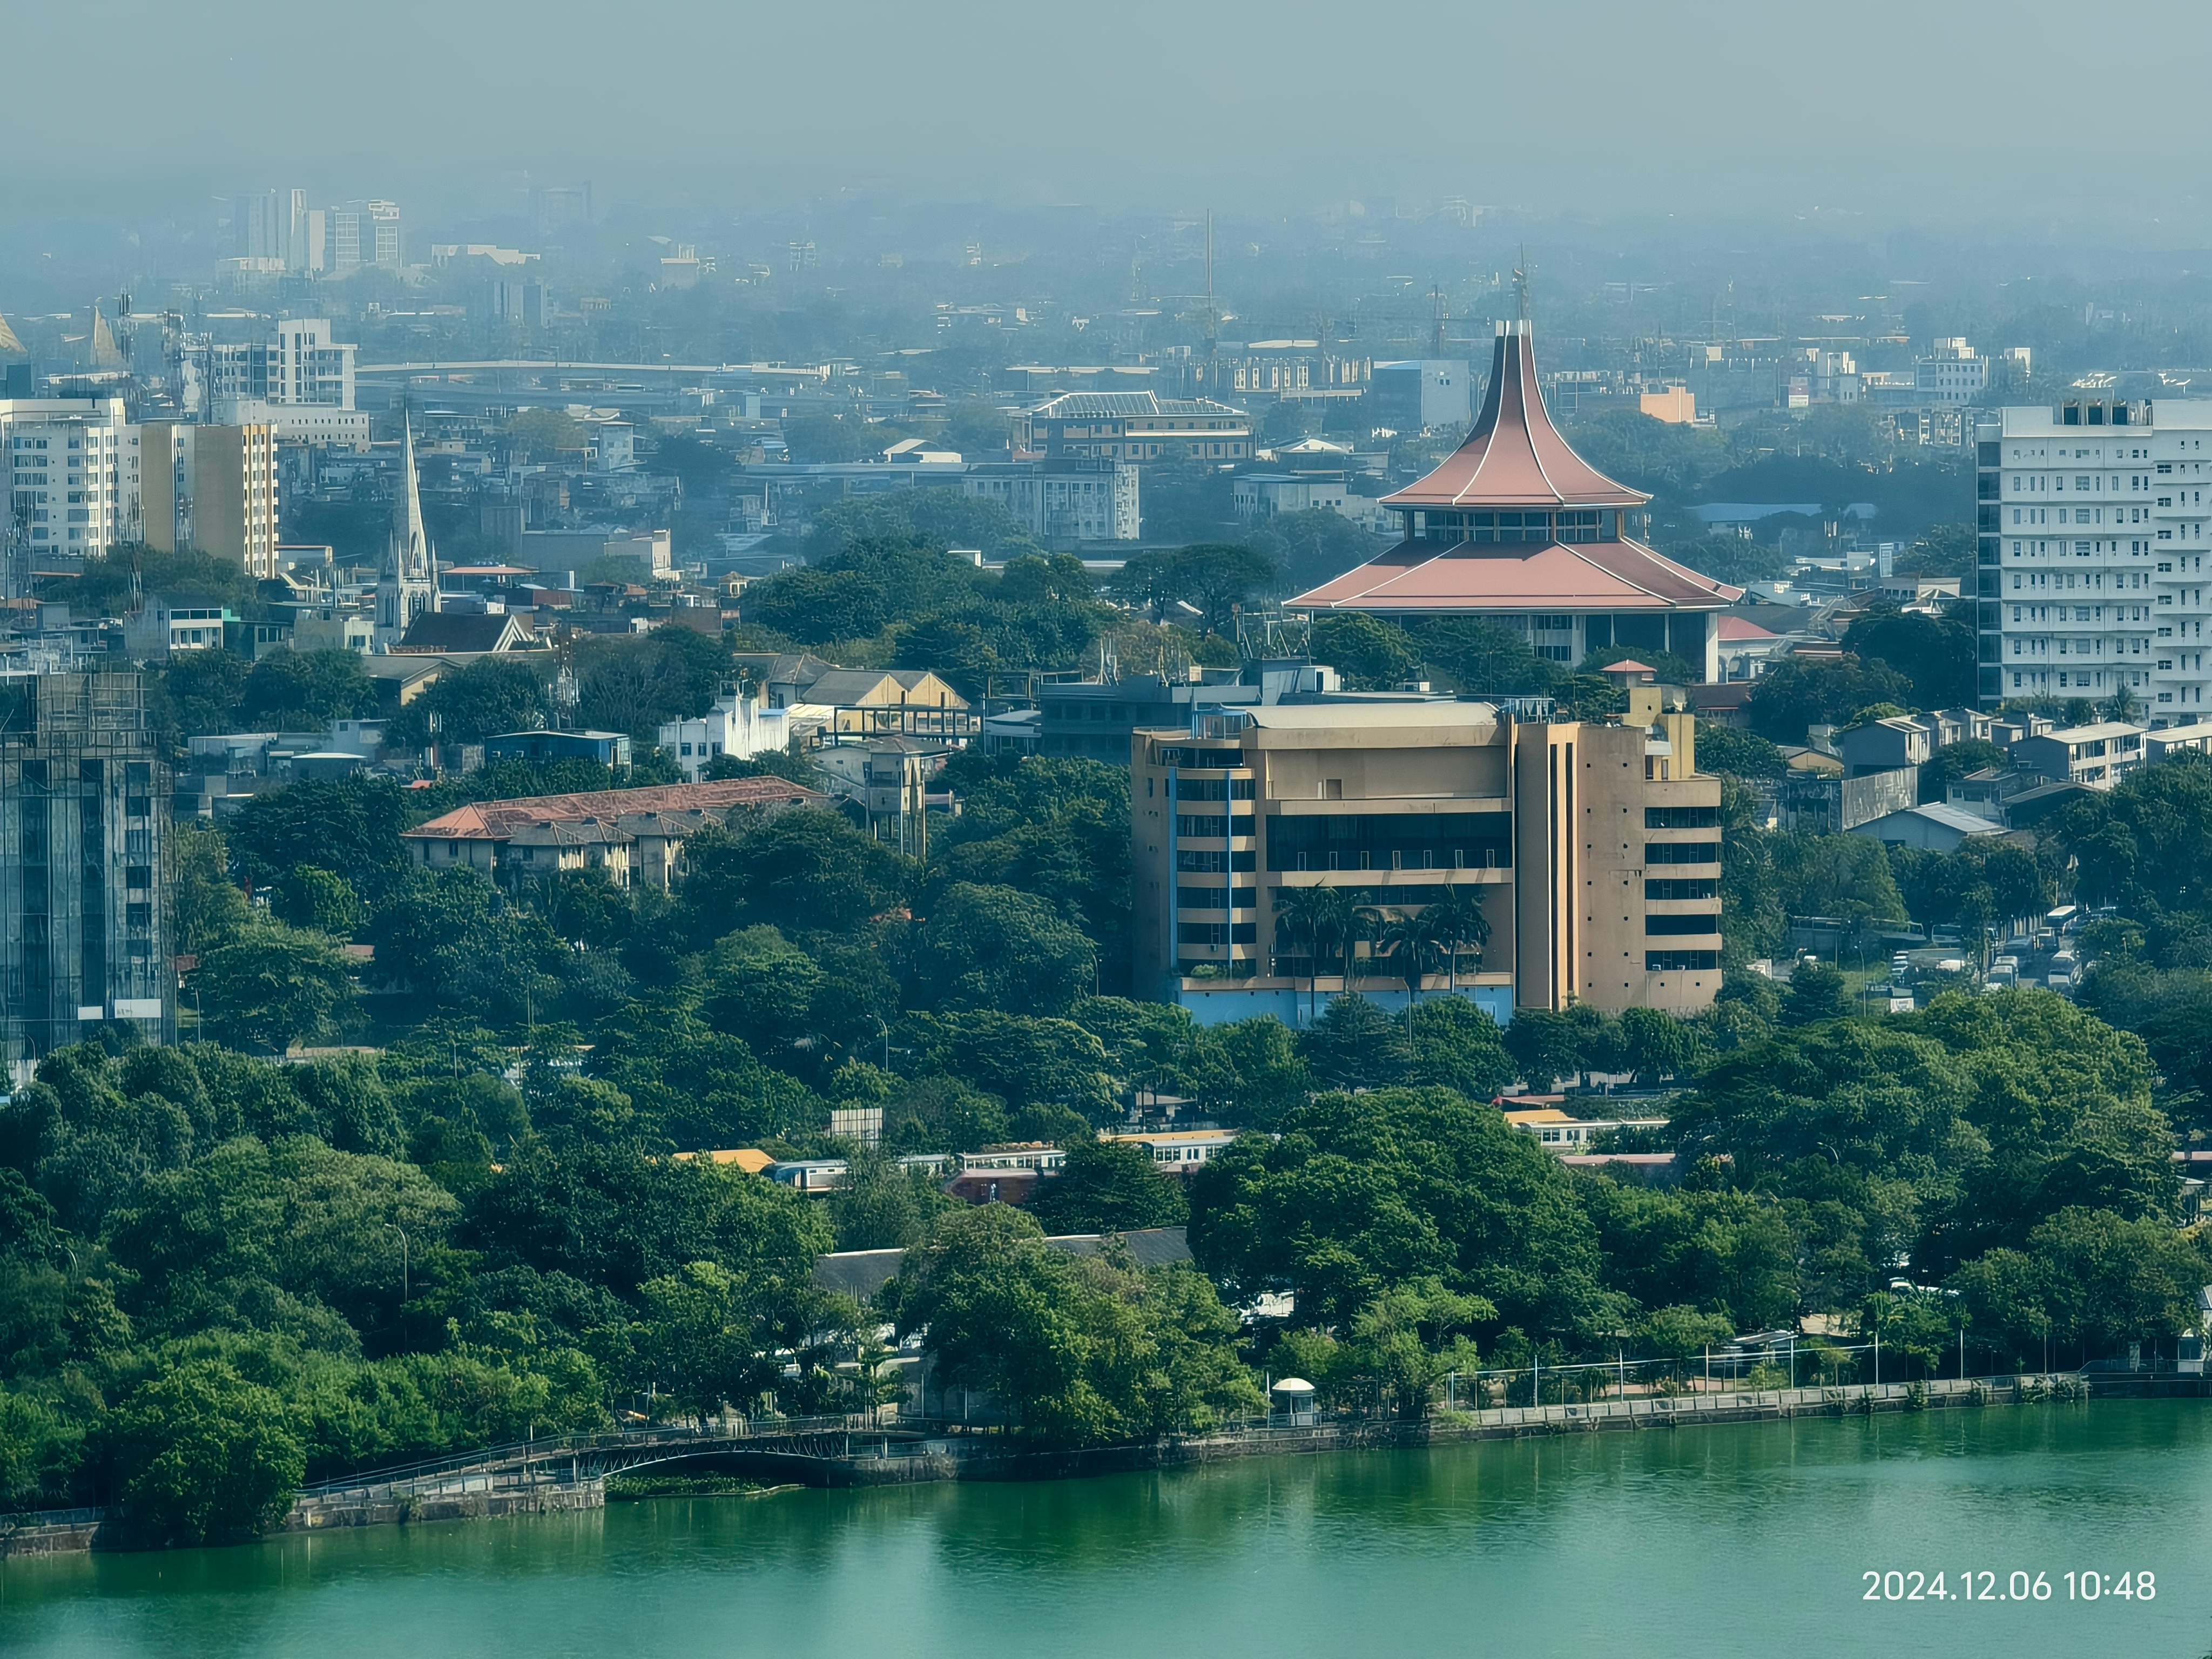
x=1592, y=849
x=212, y=488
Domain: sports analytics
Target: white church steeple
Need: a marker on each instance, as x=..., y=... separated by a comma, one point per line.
x=408, y=585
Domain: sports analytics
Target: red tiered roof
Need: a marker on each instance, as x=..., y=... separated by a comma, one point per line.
x=1515, y=458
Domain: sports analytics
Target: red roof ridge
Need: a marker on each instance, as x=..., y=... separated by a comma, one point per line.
x=494, y=818
x=1515, y=428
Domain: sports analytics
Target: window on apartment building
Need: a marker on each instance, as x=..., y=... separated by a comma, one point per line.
x=1680, y=961
x=1681, y=852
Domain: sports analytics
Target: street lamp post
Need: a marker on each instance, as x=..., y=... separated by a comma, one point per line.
x=402, y=1232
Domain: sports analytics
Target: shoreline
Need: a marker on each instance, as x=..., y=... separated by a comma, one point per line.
x=78, y=1531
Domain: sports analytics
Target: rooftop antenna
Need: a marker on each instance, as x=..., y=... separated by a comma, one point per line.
x=1436, y=307
x=1520, y=287
x=1212, y=311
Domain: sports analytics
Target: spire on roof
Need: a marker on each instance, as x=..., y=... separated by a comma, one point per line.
x=106, y=354
x=1515, y=457
x=410, y=547
x=408, y=585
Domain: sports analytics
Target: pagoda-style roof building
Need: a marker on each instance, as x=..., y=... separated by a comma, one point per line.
x=1517, y=528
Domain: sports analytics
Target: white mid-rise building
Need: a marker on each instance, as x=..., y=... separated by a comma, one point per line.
x=71, y=468
x=740, y=725
x=1953, y=373
x=2094, y=522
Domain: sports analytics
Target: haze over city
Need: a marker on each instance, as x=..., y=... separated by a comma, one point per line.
x=1250, y=830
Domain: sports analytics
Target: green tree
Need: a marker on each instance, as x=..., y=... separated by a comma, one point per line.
x=1410, y=1338
x=1107, y=1187
x=1738, y=753
x=1816, y=992
x=1656, y=1045
x=993, y=947
x=1355, y=1045
x=701, y=1340
x=1212, y=578
x=1457, y=1046
x=883, y=1205
x=814, y=438
x=457, y=941
x=272, y=986
x=1078, y=1351
x=540, y=435
x=762, y=988
x=801, y=869
x=1371, y=653
x=1681, y=1334
x=1795, y=694
x=1311, y=546
x=210, y=908
x=1546, y=1045
x=1732, y=1254
x=198, y=1455
x=1319, y=919
x=491, y=696
x=1481, y=658
x=295, y=690
x=199, y=694
x=351, y=825
x=319, y=900
x=1934, y=655
x=1363, y=1192
x=1030, y=1064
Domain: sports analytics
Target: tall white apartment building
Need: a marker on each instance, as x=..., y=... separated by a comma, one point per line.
x=71, y=470
x=299, y=382
x=2094, y=523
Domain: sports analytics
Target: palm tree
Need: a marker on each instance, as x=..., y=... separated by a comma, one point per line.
x=1321, y=918
x=1456, y=923
x=1369, y=923
x=1409, y=940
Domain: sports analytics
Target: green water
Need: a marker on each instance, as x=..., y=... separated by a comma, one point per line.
x=1703, y=1541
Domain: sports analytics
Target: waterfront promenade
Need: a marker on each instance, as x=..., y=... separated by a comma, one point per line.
x=569, y=1473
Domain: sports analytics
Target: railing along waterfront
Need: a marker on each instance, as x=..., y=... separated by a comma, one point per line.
x=517, y=1457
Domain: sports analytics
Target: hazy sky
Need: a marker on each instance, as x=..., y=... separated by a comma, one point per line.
x=2045, y=108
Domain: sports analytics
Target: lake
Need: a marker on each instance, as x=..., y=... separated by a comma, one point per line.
x=1719, y=1541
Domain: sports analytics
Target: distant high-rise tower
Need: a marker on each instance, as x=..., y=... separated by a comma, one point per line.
x=408, y=585
x=84, y=814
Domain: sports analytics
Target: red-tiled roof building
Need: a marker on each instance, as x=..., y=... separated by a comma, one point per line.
x=634, y=835
x=1517, y=528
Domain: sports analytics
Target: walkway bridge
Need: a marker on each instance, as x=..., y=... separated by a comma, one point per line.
x=813, y=1450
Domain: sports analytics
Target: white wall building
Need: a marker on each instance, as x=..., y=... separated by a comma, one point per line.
x=1953, y=374
x=299, y=381
x=739, y=724
x=297, y=365
x=1255, y=496
x=71, y=467
x=2094, y=524
x=1067, y=498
